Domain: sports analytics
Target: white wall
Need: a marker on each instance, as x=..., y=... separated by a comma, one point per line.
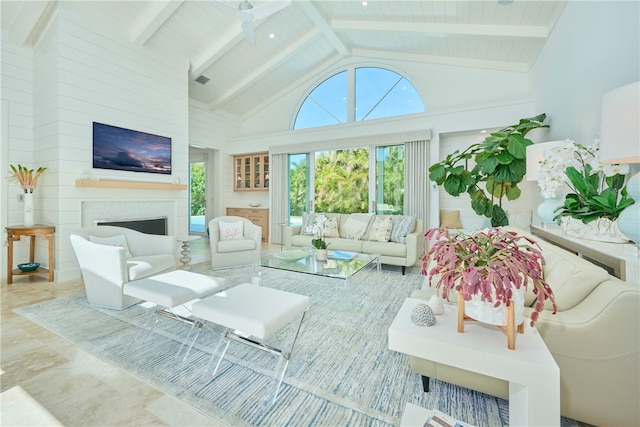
x=17, y=130
x=81, y=76
x=443, y=89
x=594, y=48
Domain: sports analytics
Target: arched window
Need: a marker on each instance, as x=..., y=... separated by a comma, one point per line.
x=378, y=93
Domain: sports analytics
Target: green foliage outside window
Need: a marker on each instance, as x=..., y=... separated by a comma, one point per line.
x=197, y=189
x=342, y=181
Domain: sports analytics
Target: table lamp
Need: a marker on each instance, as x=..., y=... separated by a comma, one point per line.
x=535, y=157
x=620, y=143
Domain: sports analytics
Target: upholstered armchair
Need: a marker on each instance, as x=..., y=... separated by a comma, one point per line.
x=234, y=241
x=109, y=257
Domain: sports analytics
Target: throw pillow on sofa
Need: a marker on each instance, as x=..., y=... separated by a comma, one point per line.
x=331, y=228
x=231, y=230
x=355, y=226
x=450, y=219
x=402, y=225
x=307, y=222
x=381, y=229
x=118, y=240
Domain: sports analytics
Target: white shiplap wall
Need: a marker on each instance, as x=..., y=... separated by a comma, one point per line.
x=82, y=76
x=17, y=128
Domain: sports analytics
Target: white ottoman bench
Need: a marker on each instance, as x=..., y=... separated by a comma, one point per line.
x=173, y=289
x=251, y=314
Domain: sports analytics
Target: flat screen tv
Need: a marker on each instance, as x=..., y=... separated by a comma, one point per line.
x=130, y=150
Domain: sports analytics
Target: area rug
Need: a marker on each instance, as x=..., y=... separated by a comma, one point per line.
x=341, y=372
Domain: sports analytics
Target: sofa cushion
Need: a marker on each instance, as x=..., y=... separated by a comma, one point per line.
x=381, y=229
x=402, y=225
x=355, y=226
x=301, y=241
x=236, y=245
x=386, y=248
x=570, y=277
x=340, y=244
x=148, y=265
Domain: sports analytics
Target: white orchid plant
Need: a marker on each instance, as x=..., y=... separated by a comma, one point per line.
x=596, y=190
x=318, y=229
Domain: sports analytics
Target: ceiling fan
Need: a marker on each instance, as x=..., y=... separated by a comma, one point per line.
x=248, y=13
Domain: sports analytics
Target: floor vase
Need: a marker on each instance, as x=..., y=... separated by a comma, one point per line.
x=28, y=210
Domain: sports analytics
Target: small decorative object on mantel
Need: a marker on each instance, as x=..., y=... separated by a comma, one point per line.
x=28, y=179
x=422, y=315
x=490, y=265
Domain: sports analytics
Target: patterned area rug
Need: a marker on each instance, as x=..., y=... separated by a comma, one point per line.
x=341, y=372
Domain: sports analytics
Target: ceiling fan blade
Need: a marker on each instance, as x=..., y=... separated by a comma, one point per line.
x=268, y=9
x=247, y=29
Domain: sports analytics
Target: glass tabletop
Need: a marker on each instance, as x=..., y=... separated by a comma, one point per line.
x=339, y=264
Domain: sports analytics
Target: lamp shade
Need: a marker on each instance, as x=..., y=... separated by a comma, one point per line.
x=535, y=156
x=620, y=125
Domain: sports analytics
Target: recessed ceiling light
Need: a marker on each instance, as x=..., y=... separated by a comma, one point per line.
x=272, y=36
x=365, y=3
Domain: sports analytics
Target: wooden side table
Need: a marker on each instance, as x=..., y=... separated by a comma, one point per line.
x=15, y=233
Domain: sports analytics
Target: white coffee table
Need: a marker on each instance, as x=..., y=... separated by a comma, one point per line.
x=533, y=375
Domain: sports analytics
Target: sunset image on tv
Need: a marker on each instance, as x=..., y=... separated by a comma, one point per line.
x=129, y=150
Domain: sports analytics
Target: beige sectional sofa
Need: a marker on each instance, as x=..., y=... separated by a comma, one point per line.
x=405, y=251
x=594, y=338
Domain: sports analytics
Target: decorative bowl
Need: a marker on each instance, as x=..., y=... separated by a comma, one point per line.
x=29, y=266
x=294, y=255
x=255, y=205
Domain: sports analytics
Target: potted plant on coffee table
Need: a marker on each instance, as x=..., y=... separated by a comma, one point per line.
x=318, y=229
x=493, y=266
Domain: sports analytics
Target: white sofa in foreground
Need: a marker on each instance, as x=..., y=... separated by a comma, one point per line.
x=368, y=238
x=594, y=338
x=107, y=265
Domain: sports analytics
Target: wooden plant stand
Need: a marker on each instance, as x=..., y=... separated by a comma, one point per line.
x=510, y=328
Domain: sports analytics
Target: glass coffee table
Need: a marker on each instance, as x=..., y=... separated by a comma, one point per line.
x=339, y=264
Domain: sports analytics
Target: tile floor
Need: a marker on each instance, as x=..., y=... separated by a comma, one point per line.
x=46, y=381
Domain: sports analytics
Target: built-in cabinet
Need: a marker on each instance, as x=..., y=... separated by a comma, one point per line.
x=258, y=216
x=251, y=172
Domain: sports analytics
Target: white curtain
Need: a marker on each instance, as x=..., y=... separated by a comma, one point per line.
x=279, y=193
x=416, y=179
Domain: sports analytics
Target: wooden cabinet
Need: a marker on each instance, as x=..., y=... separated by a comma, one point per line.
x=251, y=172
x=258, y=216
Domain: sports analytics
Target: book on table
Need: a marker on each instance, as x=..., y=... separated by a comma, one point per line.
x=341, y=255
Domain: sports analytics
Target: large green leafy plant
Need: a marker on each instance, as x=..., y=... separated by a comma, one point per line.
x=597, y=190
x=499, y=166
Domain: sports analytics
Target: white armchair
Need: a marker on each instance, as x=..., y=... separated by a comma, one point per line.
x=234, y=249
x=107, y=268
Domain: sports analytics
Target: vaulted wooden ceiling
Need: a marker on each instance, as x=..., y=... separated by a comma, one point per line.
x=309, y=37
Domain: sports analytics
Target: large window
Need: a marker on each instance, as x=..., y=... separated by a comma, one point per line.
x=375, y=93
x=343, y=181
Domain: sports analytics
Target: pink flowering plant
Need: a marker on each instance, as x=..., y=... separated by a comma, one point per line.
x=488, y=263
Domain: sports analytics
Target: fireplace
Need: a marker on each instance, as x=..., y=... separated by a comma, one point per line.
x=154, y=216
x=157, y=225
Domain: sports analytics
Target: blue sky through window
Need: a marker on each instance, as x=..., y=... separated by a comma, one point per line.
x=378, y=93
